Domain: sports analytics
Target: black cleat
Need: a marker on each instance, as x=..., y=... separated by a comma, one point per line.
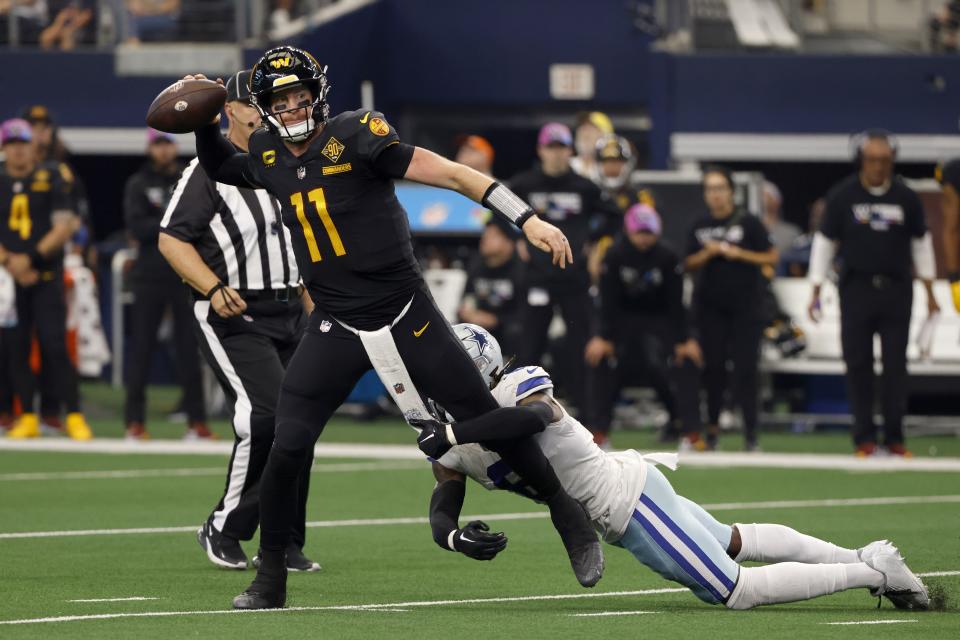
x=296, y=561
x=222, y=550
x=252, y=599
x=268, y=590
x=433, y=437
x=583, y=548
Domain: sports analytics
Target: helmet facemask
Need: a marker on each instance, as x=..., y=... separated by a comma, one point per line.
x=315, y=113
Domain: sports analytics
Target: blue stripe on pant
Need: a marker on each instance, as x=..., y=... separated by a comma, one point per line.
x=671, y=539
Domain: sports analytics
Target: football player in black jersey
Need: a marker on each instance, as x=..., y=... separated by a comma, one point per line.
x=334, y=179
x=36, y=219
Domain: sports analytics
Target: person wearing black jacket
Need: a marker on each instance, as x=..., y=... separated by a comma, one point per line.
x=875, y=224
x=157, y=287
x=642, y=325
x=578, y=208
x=727, y=249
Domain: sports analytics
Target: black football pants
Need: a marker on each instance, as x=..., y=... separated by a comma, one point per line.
x=575, y=305
x=325, y=367
x=731, y=335
x=151, y=300
x=42, y=309
x=644, y=359
x=249, y=358
x=872, y=305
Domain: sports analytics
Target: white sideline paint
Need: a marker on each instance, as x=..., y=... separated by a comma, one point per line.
x=870, y=622
x=610, y=613
x=130, y=599
x=526, y=515
x=342, y=467
x=393, y=606
x=842, y=462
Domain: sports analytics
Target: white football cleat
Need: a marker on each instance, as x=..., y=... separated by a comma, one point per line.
x=873, y=549
x=900, y=585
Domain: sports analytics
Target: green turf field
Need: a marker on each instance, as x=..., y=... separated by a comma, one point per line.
x=384, y=579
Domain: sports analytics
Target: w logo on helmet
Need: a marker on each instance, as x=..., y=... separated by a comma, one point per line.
x=281, y=63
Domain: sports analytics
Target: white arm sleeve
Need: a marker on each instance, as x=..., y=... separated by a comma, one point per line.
x=923, y=261
x=822, y=253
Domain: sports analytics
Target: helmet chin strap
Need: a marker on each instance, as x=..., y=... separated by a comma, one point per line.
x=294, y=132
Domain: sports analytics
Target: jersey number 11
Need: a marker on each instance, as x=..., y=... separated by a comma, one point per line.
x=320, y=202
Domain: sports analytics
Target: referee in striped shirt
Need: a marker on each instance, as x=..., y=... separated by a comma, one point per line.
x=230, y=246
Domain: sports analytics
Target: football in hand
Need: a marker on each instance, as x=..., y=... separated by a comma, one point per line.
x=186, y=105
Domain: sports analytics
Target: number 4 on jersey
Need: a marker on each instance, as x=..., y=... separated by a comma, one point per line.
x=320, y=202
x=20, y=216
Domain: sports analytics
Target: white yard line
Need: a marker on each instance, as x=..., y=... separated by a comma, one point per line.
x=130, y=599
x=938, y=574
x=392, y=606
x=601, y=614
x=842, y=462
x=339, y=467
x=530, y=515
x=869, y=622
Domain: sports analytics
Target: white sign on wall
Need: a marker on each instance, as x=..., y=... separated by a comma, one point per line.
x=571, y=81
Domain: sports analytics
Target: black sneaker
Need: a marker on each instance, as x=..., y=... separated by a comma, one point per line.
x=296, y=561
x=580, y=540
x=267, y=591
x=433, y=437
x=222, y=550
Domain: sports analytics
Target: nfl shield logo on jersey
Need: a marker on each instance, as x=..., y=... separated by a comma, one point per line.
x=301, y=172
x=325, y=326
x=398, y=388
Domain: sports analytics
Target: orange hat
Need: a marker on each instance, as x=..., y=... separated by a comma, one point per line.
x=480, y=144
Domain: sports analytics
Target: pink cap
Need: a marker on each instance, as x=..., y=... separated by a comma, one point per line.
x=642, y=217
x=15, y=130
x=159, y=136
x=555, y=133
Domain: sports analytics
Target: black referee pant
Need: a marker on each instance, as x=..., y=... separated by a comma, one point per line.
x=731, y=335
x=249, y=358
x=574, y=303
x=42, y=308
x=869, y=305
x=151, y=300
x=327, y=365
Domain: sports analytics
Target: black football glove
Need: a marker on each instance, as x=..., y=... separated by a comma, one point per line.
x=474, y=540
x=433, y=437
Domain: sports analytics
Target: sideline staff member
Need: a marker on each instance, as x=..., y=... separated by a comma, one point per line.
x=949, y=177
x=729, y=247
x=878, y=223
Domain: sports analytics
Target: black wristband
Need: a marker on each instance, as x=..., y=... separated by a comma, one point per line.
x=506, y=204
x=213, y=290
x=953, y=276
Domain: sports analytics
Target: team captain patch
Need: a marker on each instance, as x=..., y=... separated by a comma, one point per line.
x=379, y=127
x=333, y=149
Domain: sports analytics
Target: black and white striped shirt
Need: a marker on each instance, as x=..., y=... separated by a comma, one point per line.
x=238, y=232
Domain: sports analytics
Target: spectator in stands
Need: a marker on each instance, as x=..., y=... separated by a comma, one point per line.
x=727, y=249
x=642, y=329
x=875, y=223
x=157, y=288
x=944, y=26
x=573, y=203
x=31, y=17
x=71, y=17
x=588, y=128
x=494, y=294
x=782, y=233
x=477, y=153
x=149, y=20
